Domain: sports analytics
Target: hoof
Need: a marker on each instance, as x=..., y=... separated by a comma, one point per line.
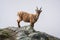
x=19, y=26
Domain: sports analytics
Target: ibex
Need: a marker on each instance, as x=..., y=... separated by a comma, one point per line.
x=27, y=17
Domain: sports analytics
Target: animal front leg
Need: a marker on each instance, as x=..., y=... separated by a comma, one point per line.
x=32, y=22
x=32, y=25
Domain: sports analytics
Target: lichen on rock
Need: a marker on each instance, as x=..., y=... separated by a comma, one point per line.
x=24, y=33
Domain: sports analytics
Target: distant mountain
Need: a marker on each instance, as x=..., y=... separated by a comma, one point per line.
x=24, y=33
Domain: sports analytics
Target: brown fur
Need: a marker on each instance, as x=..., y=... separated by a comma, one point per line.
x=26, y=17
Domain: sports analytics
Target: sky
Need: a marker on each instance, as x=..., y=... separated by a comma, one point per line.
x=49, y=19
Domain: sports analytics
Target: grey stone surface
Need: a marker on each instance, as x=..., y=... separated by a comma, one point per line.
x=24, y=33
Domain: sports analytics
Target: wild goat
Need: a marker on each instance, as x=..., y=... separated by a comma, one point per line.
x=26, y=17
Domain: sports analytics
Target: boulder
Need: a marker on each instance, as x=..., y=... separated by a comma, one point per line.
x=24, y=33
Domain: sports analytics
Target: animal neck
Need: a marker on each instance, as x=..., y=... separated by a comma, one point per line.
x=37, y=15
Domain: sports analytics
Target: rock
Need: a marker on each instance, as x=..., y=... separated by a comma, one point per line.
x=24, y=33
x=6, y=34
x=35, y=36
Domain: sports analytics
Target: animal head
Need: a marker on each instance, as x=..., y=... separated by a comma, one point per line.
x=38, y=10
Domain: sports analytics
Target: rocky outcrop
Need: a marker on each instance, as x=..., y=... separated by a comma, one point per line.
x=24, y=33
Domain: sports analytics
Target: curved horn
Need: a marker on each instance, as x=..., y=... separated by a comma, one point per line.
x=40, y=8
x=37, y=8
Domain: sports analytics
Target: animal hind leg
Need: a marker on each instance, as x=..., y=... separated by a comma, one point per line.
x=19, y=24
x=18, y=21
